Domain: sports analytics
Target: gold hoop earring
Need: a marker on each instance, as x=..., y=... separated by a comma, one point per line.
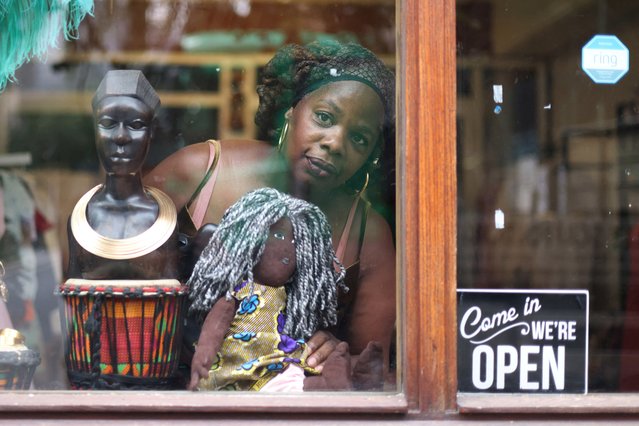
x=361, y=191
x=283, y=136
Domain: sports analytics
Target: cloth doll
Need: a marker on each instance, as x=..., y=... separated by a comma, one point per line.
x=266, y=281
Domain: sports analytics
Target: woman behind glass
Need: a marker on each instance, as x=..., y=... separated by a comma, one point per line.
x=327, y=112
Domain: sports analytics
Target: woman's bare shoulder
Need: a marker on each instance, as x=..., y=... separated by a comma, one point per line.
x=378, y=248
x=182, y=165
x=179, y=174
x=245, y=150
x=377, y=228
x=246, y=164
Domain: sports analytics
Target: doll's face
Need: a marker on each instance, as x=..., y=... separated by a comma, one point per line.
x=278, y=262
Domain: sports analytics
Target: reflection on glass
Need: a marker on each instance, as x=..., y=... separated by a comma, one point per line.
x=558, y=157
x=206, y=60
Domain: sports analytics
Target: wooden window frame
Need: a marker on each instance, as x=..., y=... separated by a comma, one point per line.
x=426, y=241
x=426, y=219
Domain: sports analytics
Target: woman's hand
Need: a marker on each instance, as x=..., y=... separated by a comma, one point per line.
x=321, y=345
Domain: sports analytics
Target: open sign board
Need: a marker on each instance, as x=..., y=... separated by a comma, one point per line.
x=528, y=341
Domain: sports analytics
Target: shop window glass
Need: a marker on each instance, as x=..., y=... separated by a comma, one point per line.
x=204, y=59
x=556, y=153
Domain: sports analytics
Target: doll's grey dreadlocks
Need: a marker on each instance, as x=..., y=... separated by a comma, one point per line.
x=237, y=246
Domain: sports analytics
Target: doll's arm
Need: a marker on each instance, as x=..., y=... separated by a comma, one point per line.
x=215, y=326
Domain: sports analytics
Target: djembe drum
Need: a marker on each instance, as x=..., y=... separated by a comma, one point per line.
x=17, y=362
x=123, y=334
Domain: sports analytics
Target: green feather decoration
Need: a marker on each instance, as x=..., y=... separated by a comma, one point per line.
x=29, y=28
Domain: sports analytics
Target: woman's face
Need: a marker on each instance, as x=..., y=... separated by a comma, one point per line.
x=123, y=133
x=332, y=133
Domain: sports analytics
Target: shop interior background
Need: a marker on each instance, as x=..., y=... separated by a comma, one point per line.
x=559, y=157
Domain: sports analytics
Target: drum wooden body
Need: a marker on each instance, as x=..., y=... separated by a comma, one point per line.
x=123, y=334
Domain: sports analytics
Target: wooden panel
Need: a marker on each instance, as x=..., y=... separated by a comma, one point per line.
x=158, y=403
x=621, y=403
x=427, y=120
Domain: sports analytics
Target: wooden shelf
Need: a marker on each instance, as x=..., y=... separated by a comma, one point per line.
x=223, y=59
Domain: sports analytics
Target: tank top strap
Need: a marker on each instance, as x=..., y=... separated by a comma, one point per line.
x=202, y=195
x=362, y=226
x=351, y=279
x=343, y=240
x=346, y=231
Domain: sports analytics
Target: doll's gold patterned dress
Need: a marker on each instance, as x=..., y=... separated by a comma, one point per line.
x=255, y=349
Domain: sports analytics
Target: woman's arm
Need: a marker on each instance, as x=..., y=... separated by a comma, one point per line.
x=373, y=311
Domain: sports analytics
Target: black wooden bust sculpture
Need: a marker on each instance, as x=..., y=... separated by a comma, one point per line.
x=121, y=230
x=123, y=299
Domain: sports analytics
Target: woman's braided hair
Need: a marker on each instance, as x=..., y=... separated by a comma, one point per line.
x=237, y=246
x=296, y=70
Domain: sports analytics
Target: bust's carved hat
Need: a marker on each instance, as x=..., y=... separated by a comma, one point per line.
x=126, y=83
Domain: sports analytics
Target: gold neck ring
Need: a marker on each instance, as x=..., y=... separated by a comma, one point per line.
x=124, y=248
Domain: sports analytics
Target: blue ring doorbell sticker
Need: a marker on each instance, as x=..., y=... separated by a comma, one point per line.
x=605, y=59
x=522, y=341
